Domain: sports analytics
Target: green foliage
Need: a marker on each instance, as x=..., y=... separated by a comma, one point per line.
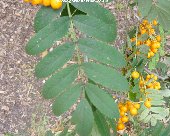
x=54, y=60
x=83, y=118
x=95, y=27
x=158, y=9
x=62, y=83
x=97, y=50
x=98, y=68
x=59, y=81
x=158, y=111
x=102, y=101
x=45, y=38
x=144, y=7
x=106, y=76
x=101, y=124
x=99, y=24
x=158, y=130
x=45, y=16
x=65, y=100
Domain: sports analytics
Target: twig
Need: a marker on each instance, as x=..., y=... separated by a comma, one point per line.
x=160, y=77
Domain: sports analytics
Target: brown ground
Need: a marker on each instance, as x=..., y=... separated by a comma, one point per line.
x=19, y=92
x=20, y=99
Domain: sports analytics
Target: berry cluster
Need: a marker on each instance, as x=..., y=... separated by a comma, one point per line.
x=125, y=109
x=153, y=41
x=150, y=82
x=55, y=4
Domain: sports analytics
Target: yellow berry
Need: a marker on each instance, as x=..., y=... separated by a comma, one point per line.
x=154, y=45
x=148, y=42
x=46, y=3
x=156, y=87
x=135, y=74
x=122, y=113
x=26, y=0
x=158, y=38
x=147, y=103
x=124, y=119
x=133, y=111
x=155, y=22
x=152, y=75
x=133, y=39
x=158, y=44
x=149, y=26
x=141, y=83
x=143, y=31
x=149, y=55
x=139, y=43
x=148, y=77
x=151, y=31
x=56, y=4
x=120, y=104
x=154, y=50
x=36, y=2
x=137, y=105
x=145, y=22
x=155, y=78
x=124, y=108
x=120, y=126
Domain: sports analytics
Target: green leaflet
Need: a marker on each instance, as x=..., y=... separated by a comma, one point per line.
x=102, y=101
x=64, y=101
x=54, y=60
x=46, y=37
x=144, y=7
x=99, y=12
x=101, y=123
x=60, y=81
x=46, y=15
x=95, y=27
x=159, y=10
x=101, y=52
x=83, y=118
x=106, y=76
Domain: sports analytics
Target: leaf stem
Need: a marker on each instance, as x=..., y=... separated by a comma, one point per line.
x=74, y=39
x=69, y=11
x=73, y=34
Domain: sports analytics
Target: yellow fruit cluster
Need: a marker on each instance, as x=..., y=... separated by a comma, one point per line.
x=55, y=4
x=124, y=109
x=150, y=82
x=154, y=40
